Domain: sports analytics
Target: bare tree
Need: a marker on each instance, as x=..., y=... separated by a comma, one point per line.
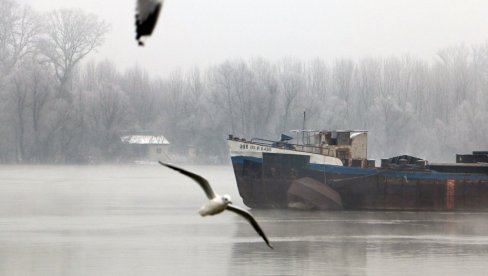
x=143, y=93
x=19, y=97
x=455, y=64
x=291, y=80
x=264, y=98
x=343, y=72
x=19, y=28
x=222, y=95
x=70, y=36
x=369, y=78
x=108, y=109
x=41, y=91
x=195, y=95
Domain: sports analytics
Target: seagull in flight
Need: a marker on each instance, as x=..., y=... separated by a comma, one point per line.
x=218, y=203
x=147, y=13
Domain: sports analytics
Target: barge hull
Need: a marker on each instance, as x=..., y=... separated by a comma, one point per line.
x=264, y=183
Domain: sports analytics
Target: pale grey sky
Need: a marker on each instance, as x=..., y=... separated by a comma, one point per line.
x=206, y=32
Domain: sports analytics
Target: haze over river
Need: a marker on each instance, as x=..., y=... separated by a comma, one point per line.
x=143, y=220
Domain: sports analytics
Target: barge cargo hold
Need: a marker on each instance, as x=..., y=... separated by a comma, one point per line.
x=330, y=170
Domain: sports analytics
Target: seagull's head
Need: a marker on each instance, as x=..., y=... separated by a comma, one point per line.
x=226, y=199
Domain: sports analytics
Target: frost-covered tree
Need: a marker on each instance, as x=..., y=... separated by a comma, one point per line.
x=70, y=35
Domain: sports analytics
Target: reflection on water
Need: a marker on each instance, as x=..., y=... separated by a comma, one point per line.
x=369, y=243
x=143, y=220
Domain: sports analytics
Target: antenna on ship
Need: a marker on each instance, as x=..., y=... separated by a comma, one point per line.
x=303, y=128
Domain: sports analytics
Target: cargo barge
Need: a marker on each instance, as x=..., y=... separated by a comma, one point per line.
x=330, y=170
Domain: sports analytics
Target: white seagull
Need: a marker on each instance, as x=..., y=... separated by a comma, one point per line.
x=147, y=13
x=218, y=203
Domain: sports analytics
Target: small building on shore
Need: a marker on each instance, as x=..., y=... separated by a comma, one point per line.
x=146, y=148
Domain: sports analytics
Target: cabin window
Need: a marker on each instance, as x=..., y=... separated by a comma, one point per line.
x=342, y=154
x=343, y=138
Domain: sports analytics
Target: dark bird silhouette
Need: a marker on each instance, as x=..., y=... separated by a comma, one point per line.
x=147, y=13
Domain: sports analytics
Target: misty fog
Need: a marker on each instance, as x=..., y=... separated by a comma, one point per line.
x=55, y=107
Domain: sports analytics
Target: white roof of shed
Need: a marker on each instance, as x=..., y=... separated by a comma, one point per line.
x=354, y=134
x=144, y=140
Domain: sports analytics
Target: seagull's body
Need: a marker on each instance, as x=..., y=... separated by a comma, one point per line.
x=217, y=203
x=147, y=13
x=214, y=206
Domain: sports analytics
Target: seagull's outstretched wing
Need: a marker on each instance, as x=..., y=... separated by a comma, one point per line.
x=251, y=220
x=147, y=13
x=202, y=181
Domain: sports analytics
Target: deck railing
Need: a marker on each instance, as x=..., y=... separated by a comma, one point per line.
x=297, y=147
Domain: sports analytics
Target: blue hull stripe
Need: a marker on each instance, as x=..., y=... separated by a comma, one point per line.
x=240, y=159
x=377, y=171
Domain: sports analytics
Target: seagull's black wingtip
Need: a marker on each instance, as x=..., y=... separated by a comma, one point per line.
x=169, y=166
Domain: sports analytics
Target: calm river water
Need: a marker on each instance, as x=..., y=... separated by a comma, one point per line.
x=143, y=220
